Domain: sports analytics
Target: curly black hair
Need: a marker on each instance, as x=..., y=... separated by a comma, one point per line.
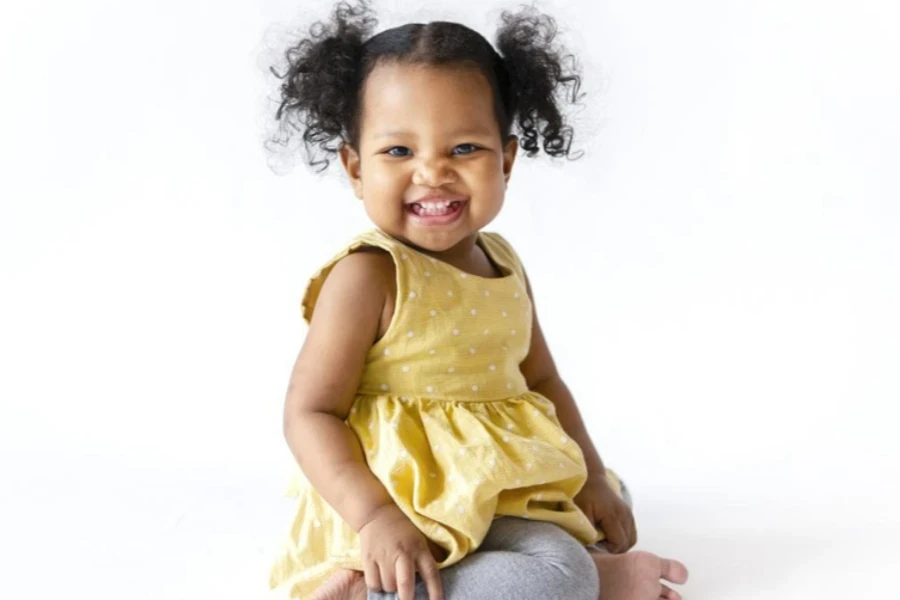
x=531, y=76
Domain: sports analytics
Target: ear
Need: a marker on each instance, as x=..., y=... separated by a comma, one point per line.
x=509, y=156
x=350, y=160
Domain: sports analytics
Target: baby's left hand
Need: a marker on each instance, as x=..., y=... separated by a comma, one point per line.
x=608, y=512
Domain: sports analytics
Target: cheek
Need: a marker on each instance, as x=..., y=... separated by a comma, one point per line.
x=491, y=170
x=383, y=180
x=491, y=193
x=490, y=179
x=383, y=193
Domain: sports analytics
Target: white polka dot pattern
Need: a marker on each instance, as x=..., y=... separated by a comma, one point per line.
x=443, y=413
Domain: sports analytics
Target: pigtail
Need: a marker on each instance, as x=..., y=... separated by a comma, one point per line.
x=321, y=82
x=539, y=74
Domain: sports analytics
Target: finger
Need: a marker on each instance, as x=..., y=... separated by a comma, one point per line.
x=405, y=576
x=372, y=575
x=631, y=530
x=669, y=594
x=388, y=583
x=624, y=521
x=672, y=570
x=589, y=513
x=431, y=576
x=615, y=534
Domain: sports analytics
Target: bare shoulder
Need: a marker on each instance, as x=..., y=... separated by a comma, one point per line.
x=359, y=293
x=366, y=274
x=377, y=262
x=364, y=277
x=344, y=325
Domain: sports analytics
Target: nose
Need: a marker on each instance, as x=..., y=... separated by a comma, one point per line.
x=433, y=172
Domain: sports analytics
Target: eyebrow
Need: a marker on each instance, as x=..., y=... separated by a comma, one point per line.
x=457, y=133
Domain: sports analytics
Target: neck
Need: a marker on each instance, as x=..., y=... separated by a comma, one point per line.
x=460, y=255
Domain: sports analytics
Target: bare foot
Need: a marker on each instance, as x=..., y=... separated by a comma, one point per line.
x=343, y=585
x=636, y=576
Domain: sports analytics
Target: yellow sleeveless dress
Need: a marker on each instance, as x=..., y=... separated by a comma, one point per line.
x=445, y=419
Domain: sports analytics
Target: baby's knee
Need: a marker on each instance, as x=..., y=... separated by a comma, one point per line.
x=578, y=578
x=581, y=579
x=567, y=569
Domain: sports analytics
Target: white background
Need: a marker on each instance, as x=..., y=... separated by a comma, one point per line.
x=719, y=280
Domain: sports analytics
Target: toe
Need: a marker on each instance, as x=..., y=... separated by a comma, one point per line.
x=672, y=570
x=668, y=593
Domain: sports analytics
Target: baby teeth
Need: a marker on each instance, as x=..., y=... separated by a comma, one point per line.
x=433, y=208
x=434, y=205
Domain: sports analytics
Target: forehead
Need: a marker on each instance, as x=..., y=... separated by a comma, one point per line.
x=413, y=97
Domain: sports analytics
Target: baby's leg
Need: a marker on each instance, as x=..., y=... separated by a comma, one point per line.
x=523, y=560
x=519, y=560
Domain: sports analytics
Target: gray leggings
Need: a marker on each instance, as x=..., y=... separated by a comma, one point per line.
x=519, y=560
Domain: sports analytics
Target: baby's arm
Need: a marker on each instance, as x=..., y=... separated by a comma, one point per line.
x=323, y=384
x=542, y=377
x=599, y=502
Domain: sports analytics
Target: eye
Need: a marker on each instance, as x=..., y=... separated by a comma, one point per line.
x=472, y=148
x=391, y=152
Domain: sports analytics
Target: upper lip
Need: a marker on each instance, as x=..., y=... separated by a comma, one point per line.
x=438, y=198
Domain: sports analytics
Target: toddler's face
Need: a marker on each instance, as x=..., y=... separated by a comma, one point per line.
x=429, y=132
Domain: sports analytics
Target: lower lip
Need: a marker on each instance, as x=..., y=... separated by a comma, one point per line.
x=436, y=220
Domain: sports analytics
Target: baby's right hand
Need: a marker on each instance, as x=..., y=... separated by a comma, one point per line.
x=392, y=551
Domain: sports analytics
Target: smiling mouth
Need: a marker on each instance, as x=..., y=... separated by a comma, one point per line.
x=434, y=209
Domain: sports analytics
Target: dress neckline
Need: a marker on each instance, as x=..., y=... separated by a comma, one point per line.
x=508, y=272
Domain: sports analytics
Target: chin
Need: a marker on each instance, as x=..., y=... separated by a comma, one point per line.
x=439, y=241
